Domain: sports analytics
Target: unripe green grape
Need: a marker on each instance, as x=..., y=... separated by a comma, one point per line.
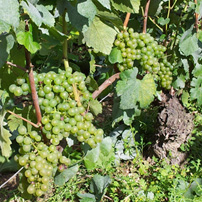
x=12, y=88
x=45, y=120
x=80, y=138
x=33, y=134
x=28, y=173
x=38, y=138
x=55, y=141
x=117, y=42
x=22, y=161
x=22, y=130
x=19, y=139
x=18, y=91
x=47, y=81
x=25, y=87
x=39, y=192
x=49, y=96
x=48, y=126
x=74, y=129
x=91, y=143
x=98, y=138
x=20, y=81
x=27, y=141
x=52, y=148
x=31, y=189
x=56, y=130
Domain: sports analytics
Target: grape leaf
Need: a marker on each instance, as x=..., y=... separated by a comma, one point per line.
x=196, y=91
x=134, y=91
x=67, y=174
x=4, y=27
x=163, y=21
x=126, y=115
x=26, y=39
x=87, y=9
x=109, y=17
x=9, y=15
x=33, y=13
x=6, y=44
x=115, y=56
x=14, y=122
x=4, y=137
x=77, y=20
x=95, y=107
x=38, y=14
x=105, y=3
x=136, y=5
x=188, y=42
x=100, y=36
x=99, y=184
x=47, y=18
x=86, y=197
x=126, y=6
x=102, y=155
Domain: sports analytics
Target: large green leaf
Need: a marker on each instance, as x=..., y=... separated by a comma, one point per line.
x=66, y=175
x=102, y=155
x=188, y=42
x=196, y=91
x=4, y=137
x=134, y=91
x=119, y=114
x=99, y=184
x=87, y=9
x=100, y=36
x=39, y=14
x=9, y=15
x=26, y=39
x=33, y=13
x=6, y=44
x=79, y=15
x=47, y=18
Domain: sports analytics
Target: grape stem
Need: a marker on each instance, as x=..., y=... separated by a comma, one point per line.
x=65, y=44
x=146, y=16
x=153, y=21
x=76, y=94
x=14, y=65
x=104, y=85
x=20, y=117
x=32, y=83
x=196, y=18
x=125, y=24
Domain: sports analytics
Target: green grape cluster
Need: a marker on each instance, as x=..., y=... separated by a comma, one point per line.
x=20, y=88
x=39, y=161
x=63, y=99
x=143, y=48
